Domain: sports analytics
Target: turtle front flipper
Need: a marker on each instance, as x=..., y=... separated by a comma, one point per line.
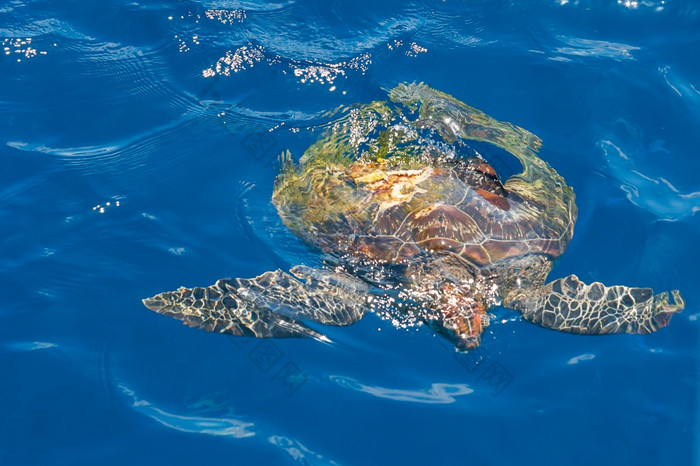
x=569, y=305
x=269, y=306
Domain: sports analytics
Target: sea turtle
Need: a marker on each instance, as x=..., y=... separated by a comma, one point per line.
x=408, y=215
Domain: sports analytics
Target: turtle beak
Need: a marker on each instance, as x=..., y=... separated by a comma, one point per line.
x=464, y=327
x=460, y=317
x=467, y=342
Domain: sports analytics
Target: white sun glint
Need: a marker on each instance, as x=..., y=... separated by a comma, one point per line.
x=102, y=208
x=628, y=3
x=21, y=48
x=452, y=125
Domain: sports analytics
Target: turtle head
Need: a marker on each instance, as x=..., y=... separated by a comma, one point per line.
x=464, y=325
x=458, y=316
x=464, y=328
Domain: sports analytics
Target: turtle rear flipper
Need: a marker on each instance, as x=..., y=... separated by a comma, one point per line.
x=569, y=305
x=271, y=305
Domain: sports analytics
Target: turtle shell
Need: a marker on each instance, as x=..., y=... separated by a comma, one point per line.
x=382, y=187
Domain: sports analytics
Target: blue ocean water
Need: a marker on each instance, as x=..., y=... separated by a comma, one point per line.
x=138, y=150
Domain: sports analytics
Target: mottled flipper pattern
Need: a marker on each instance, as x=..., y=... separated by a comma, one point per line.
x=271, y=305
x=569, y=305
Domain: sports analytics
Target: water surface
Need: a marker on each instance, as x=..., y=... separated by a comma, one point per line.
x=139, y=148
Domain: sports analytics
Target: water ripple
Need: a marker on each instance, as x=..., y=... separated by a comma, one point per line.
x=225, y=425
x=654, y=194
x=119, y=156
x=217, y=426
x=580, y=47
x=298, y=451
x=438, y=393
x=44, y=27
x=580, y=358
x=687, y=91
